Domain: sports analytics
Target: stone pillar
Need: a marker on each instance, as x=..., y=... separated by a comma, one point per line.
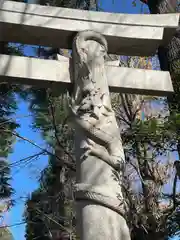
x=99, y=152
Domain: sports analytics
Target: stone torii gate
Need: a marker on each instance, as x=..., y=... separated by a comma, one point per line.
x=101, y=208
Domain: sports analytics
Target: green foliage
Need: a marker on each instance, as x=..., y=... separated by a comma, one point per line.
x=80, y=4
x=40, y=110
x=174, y=100
x=173, y=223
x=7, y=126
x=8, y=107
x=134, y=3
x=36, y=227
x=5, y=188
x=50, y=115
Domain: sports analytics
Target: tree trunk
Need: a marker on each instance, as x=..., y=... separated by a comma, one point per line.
x=99, y=153
x=149, y=185
x=169, y=56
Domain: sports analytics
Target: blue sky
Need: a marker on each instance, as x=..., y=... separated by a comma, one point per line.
x=25, y=177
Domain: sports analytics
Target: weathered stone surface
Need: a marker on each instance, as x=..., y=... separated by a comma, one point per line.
x=163, y=20
x=100, y=160
x=55, y=74
x=42, y=25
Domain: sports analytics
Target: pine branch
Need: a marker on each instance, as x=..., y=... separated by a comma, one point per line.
x=52, y=110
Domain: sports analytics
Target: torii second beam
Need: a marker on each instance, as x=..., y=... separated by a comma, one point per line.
x=55, y=74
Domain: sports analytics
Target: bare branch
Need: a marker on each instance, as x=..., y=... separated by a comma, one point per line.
x=69, y=165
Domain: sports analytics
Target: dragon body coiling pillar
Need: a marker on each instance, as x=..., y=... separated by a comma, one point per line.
x=99, y=152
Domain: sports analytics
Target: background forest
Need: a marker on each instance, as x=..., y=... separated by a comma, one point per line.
x=150, y=129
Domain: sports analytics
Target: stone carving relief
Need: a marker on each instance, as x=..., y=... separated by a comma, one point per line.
x=99, y=151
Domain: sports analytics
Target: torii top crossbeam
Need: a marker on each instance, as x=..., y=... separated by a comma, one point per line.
x=128, y=34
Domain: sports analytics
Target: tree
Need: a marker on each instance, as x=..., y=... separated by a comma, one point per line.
x=173, y=223
x=8, y=125
x=145, y=140
x=49, y=117
x=78, y=4
x=169, y=56
x=8, y=107
x=36, y=223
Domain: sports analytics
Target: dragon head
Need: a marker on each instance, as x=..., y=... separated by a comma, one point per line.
x=89, y=45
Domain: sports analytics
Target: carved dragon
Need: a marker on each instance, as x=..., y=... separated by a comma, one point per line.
x=91, y=114
x=90, y=107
